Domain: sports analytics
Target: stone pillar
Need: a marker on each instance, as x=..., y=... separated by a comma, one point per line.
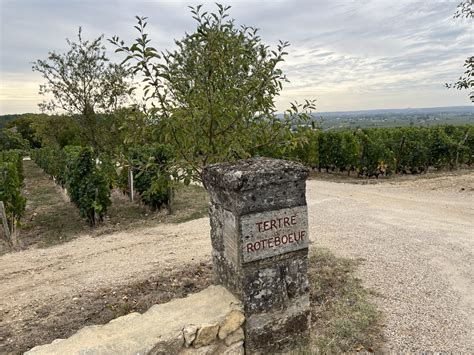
x=259, y=234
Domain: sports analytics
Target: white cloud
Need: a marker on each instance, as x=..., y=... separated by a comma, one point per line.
x=348, y=54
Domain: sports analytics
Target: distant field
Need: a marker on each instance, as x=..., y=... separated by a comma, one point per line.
x=394, y=120
x=455, y=115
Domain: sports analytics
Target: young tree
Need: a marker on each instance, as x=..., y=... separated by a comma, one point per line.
x=57, y=130
x=83, y=83
x=213, y=96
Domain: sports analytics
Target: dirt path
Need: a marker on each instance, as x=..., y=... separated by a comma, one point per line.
x=416, y=238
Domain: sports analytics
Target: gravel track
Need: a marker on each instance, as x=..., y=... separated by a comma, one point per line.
x=416, y=239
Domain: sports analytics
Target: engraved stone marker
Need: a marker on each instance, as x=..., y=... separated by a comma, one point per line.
x=272, y=233
x=259, y=234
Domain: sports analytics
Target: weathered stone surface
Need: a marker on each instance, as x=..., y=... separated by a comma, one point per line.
x=157, y=331
x=234, y=337
x=231, y=243
x=253, y=173
x=126, y=318
x=189, y=333
x=259, y=235
x=206, y=335
x=296, y=307
x=232, y=322
x=257, y=184
x=171, y=344
x=274, y=285
x=266, y=198
x=204, y=350
x=275, y=232
x=234, y=349
x=228, y=274
x=280, y=330
x=217, y=224
x=280, y=335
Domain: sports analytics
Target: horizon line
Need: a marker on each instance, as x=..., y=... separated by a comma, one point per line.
x=280, y=113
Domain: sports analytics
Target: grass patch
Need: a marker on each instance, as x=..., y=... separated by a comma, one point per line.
x=49, y=217
x=342, y=317
x=190, y=217
x=190, y=202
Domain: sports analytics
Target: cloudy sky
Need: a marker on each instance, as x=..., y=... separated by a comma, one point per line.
x=347, y=54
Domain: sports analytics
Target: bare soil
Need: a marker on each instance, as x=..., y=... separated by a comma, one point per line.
x=415, y=238
x=42, y=322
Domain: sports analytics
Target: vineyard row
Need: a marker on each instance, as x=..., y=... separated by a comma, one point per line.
x=385, y=151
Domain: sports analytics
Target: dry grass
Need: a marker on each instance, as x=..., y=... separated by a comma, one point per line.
x=191, y=202
x=343, y=318
x=49, y=218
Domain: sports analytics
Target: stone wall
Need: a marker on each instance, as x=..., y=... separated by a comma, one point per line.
x=208, y=322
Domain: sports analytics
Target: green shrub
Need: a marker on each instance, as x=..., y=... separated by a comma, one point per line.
x=88, y=185
x=384, y=151
x=11, y=140
x=150, y=165
x=11, y=181
x=82, y=174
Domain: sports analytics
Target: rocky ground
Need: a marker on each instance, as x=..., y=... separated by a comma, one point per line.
x=416, y=237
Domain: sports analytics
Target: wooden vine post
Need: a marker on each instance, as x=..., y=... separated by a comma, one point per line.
x=130, y=183
x=6, y=229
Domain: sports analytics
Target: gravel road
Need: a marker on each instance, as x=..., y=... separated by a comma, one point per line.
x=417, y=242
x=416, y=238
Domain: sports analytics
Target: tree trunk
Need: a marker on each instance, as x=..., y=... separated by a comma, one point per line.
x=169, y=205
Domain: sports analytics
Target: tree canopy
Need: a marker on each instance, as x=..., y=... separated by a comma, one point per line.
x=12, y=140
x=83, y=83
x=214, y=96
